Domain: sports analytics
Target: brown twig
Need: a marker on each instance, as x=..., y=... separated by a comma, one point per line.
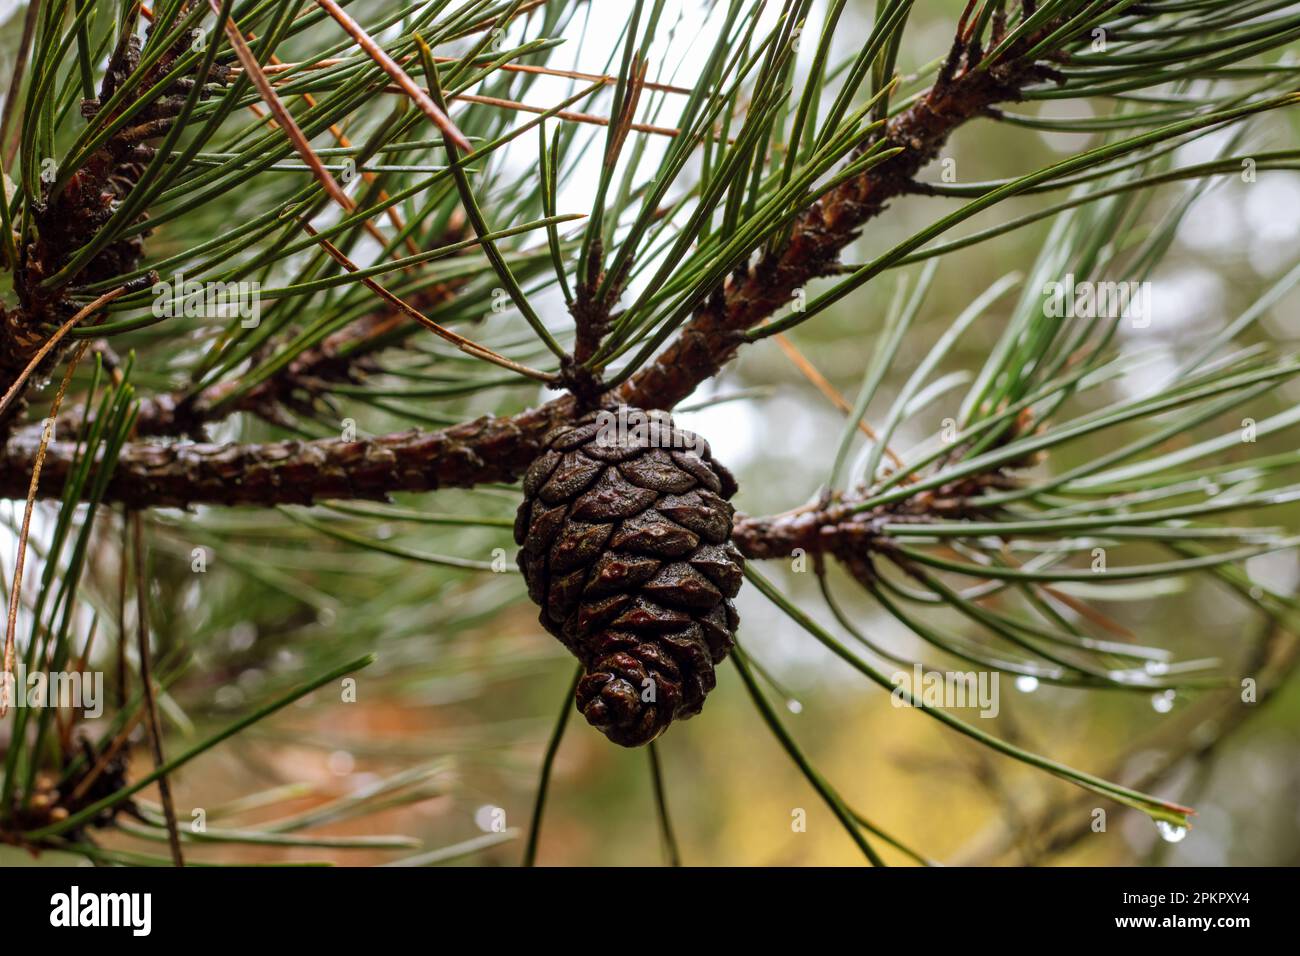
x=161, y=475
x=16, y=591
x=710, y=339
x=820, y=382
x=570, y=116
x=418, y=96
x=276, y=66
x=278, y=110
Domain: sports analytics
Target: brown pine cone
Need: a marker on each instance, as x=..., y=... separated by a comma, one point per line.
x=625, y=534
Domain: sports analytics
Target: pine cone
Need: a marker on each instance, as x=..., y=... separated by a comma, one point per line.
x=625, y=531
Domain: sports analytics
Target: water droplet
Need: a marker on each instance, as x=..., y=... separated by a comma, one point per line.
x=1026, y=684
x=1169, y=832
x=1163, y=702
x=1257, y=594
x=1156, y=668
x=229, y=696
x=794, y=706
x=341, y=763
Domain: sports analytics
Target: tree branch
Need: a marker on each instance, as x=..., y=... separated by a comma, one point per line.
x=495, y=450
x=711, y=337
x=298, y=472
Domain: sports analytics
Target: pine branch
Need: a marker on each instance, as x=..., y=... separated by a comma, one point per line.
x=500, y=449
x=712, y=336
x=839, y=529
x=296, y=472
x=342, y=357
